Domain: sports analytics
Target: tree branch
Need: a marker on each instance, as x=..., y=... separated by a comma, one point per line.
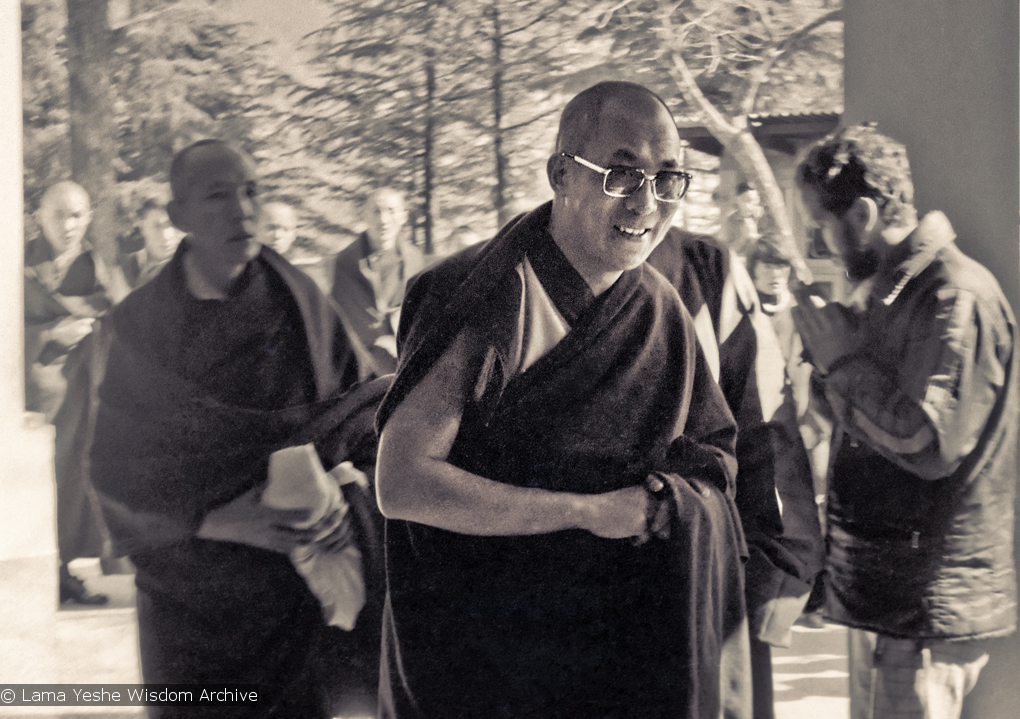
x=519, y=125
x=760, y=73
x=609, y=14
x=538, y=19
x=717, y=123
x=715, y=120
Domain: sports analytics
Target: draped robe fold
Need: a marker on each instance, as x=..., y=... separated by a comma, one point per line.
x=196, y=396
x=568, y=624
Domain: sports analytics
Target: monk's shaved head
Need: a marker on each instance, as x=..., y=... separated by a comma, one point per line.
x=64, y=215
x=581, y=116
x=184, y=161
x=605, y=233
x=64, y=192
x=278, y=226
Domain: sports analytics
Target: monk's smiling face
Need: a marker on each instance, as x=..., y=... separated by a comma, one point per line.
x=612, y=234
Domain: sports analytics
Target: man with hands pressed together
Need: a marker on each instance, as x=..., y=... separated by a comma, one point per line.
x=556, y=462
x=922, y=386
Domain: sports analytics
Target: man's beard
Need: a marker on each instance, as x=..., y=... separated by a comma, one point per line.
x=861, y=262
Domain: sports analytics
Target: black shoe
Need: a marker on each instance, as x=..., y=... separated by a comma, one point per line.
x=73, y=589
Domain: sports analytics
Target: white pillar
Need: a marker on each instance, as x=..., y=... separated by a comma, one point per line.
x=28, y=552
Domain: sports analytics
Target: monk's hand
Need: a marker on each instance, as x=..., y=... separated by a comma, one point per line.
x=247, y=520
x=827, y=329
x=659, y=512
x=279, y=527
x=332, y=533
x=616, y=515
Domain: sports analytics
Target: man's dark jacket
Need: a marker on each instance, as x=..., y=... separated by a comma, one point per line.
x=921, y=530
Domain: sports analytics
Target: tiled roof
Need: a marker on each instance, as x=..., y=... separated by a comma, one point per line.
x=773, y=127
x=803, y=123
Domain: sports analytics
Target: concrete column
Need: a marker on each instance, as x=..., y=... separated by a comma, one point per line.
x=941, y=76
x=28, y=553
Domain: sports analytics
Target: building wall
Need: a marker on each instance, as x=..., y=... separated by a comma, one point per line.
x=942, y=77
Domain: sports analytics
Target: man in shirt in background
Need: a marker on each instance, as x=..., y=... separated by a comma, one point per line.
x=370, y=276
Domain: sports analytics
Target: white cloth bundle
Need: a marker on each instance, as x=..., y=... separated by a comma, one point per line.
x=330, y=562
x=297, y=480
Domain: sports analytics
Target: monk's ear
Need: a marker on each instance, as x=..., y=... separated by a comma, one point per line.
x=176, y=215
x=556, y=169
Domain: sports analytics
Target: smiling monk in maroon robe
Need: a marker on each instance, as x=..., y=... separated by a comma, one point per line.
x=556, y=461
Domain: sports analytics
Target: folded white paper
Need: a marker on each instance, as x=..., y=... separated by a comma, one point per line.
x=297, y=480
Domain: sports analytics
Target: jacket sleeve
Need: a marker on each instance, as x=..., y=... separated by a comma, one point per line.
x=926, y=411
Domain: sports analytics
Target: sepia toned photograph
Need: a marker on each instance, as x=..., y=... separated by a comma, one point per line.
x=537, y=359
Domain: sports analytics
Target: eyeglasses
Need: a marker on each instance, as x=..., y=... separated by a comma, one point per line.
x=667, y=185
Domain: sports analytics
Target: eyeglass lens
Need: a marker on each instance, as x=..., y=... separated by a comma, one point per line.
x=624, y=182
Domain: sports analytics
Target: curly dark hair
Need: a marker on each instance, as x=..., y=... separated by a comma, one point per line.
x=857, y=162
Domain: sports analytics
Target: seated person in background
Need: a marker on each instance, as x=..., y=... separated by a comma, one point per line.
x=225, y=357
x=161, y=239
x=66, y=291
x=370, y=275
x=775, y=497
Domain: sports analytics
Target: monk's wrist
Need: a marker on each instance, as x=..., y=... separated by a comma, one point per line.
x=580, y=511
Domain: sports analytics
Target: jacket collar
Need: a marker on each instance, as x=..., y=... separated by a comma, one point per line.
x=932, y=234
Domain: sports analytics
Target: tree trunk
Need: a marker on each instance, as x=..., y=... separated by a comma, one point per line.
x=755, y=166
x=93, y=127
x=737, y=140
x=499, y=190
x=430, y=94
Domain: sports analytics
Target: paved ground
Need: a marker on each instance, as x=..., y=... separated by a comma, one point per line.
x=810, y=678
x=100, y=646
